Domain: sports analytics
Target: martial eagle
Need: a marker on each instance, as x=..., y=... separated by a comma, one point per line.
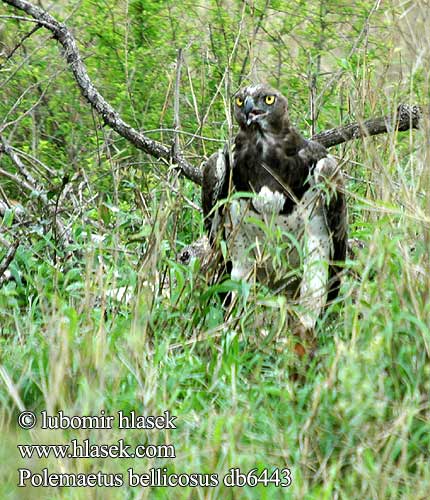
x=275, y=180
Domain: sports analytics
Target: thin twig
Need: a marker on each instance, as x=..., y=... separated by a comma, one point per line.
x=29, y=20
x=7, y=148
x=28, y=183
x=176, y=118
x=20, y=43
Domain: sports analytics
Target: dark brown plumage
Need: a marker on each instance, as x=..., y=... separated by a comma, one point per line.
x=272, y=161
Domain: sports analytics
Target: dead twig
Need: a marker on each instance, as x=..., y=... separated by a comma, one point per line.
x=6, y=148
x=28, y=183
x=20, y=44
x=176, y=119
x=8, y=258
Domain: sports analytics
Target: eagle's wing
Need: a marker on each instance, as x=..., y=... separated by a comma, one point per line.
x=327, y=171
x=337, y=222
x=312, y=152
x=214, y=188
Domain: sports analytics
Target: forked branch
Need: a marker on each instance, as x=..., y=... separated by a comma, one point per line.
x=407, y=117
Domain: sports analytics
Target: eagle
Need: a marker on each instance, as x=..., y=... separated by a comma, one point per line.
x=270, y=183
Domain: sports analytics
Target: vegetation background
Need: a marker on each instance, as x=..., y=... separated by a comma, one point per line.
x=108, y=320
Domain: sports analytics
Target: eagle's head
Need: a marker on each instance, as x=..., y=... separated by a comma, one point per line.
x=261, y=107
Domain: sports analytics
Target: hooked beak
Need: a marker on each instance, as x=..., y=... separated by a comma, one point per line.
x=251, y=112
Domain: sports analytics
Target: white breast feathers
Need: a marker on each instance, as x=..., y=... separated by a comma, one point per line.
x=268, y=202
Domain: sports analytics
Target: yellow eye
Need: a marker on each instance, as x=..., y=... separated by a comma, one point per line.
x=239, y=101
x=269, y=99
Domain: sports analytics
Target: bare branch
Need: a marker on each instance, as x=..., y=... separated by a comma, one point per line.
x=10, y=254
x=30, y=184
x=6, y=148
x=407, y=117
x=109, y=115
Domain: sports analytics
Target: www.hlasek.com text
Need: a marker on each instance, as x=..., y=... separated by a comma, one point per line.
x=85, y=449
